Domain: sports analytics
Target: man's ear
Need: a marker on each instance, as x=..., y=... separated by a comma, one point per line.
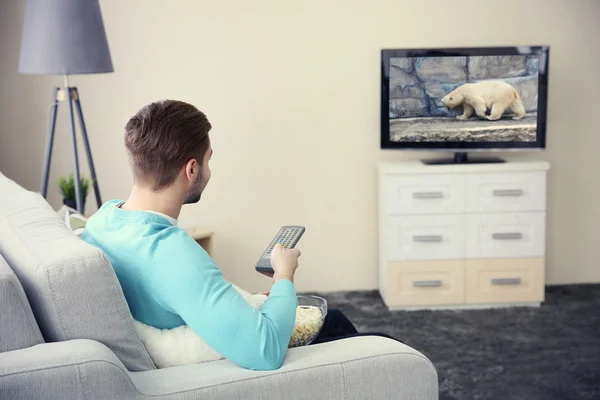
x=192, y=168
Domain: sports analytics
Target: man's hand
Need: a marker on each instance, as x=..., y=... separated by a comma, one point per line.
x=284, y=262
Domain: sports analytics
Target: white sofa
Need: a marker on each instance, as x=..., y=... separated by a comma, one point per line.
x=66, y=333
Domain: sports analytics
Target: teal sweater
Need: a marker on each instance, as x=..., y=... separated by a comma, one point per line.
x=169, y=280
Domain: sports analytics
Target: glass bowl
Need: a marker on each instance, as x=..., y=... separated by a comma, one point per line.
x=310, y=316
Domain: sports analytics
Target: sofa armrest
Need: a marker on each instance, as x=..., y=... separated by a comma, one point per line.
x=356, y=368
x=74, y=369
x=56, y=355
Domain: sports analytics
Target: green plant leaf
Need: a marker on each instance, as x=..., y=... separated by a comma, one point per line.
x=66, y=186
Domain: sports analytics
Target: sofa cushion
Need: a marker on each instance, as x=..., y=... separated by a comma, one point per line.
x=71, y=286
x=18, y=327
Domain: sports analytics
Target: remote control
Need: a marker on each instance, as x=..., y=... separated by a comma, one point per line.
x=287, y=236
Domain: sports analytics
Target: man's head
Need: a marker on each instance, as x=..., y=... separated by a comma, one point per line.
x=169, y=147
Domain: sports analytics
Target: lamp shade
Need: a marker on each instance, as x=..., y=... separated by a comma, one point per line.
x=64, y=37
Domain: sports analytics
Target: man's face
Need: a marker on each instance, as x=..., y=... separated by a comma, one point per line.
x=195, y=191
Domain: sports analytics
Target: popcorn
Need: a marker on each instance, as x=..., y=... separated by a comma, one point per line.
x=309, y=320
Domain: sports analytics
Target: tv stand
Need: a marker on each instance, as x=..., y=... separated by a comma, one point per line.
x=463, y=158
x=462, y=235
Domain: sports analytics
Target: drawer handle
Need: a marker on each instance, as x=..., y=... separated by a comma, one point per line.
x=508, y=192
x=428, y=195
x=507, y=236
x=432, y=283
x=428, y=238
x=506, y=281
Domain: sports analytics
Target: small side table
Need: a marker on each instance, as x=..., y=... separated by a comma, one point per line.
x=202, y=237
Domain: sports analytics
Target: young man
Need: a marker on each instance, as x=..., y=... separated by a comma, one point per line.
x=167, y=278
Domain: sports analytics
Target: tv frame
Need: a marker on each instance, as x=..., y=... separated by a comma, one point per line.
x=539, y=144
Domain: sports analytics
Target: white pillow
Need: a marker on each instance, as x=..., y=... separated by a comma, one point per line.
x=73, y=219
x=181, y=345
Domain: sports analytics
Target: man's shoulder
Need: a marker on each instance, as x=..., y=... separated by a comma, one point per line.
x=104, y=210
x=108, y=205
x=99, y=220
x=176, y=256
x=177, y=239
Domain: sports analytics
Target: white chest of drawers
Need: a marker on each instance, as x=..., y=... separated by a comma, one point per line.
x=462, y=235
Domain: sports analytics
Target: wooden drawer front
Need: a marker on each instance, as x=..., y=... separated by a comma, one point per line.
x=505, y=280
x=506, y=235
x=430, y=237
x=423, y=194
x=516, y=191
x=425, y=283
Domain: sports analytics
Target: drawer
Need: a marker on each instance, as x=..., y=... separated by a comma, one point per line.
x=505, y=280
x=425, y=283
x=427, y=237
x=423, y=194
x=506, y=235
x=514, y=191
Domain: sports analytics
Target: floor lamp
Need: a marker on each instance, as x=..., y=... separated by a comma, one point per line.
x=65, y=37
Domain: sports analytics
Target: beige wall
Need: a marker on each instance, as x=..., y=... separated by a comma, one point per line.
x=292, y=90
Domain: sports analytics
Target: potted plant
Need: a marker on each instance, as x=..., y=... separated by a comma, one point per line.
x=67, y=189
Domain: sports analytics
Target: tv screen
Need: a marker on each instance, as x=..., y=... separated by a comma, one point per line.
x=464, y=98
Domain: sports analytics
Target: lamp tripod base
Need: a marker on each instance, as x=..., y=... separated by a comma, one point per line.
x=71, y=96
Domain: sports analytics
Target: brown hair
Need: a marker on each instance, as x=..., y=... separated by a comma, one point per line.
x=162, y=137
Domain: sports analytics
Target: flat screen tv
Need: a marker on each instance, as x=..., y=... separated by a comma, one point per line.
x=464, y=100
